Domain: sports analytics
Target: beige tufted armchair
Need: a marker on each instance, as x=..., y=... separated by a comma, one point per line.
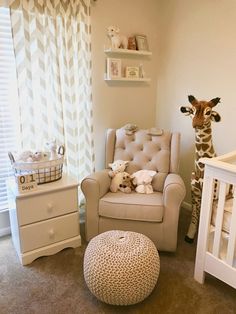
x=156, y=215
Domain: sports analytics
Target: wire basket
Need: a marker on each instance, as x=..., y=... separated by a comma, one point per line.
x=46, y=171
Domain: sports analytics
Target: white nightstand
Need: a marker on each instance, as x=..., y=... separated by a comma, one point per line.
x=44, y=221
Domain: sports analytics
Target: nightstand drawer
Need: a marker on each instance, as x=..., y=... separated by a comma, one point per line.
x=48, y=205
x=48, y=232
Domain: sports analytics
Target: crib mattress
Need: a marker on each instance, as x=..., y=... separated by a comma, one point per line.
x=227, y=214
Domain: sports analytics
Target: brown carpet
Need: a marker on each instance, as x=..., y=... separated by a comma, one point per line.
x=55, y=284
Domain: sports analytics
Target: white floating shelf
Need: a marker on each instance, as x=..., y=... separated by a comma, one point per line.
x=126, y=79
x=128, y=51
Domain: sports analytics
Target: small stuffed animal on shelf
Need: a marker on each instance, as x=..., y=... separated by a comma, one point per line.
x=117, y=40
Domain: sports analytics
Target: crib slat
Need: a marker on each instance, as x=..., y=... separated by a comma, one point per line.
x=219, y=219
x=232, y=236
x=204, y=226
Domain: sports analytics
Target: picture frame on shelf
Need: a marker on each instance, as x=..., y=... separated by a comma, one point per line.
x=113, y=68
x=141, y=42
x=132, y=43
x=132, y=72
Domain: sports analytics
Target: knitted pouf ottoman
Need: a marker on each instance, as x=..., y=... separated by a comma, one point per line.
x=121, y=267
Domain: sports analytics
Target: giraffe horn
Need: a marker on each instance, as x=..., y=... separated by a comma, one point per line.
x=214, y=102
x=192, y=100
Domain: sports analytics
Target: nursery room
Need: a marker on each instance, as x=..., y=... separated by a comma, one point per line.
x=118, y=160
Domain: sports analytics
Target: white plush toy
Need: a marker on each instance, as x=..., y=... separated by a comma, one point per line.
x=117, y=173
x=24, y=156
x=143, y=179
x=117, y=40
x=52, y=147
x=31, y=156
x=39, y=156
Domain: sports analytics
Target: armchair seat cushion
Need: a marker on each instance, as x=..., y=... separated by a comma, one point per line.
x=133, y=206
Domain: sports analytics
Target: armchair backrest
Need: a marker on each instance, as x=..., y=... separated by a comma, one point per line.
x=144, y=150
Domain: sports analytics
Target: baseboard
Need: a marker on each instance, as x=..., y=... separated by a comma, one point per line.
x=187, y=206
x=5, y=231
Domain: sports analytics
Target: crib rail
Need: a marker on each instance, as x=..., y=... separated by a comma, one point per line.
x=216, y=248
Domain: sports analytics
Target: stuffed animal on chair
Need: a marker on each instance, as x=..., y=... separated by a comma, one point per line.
x=126, y=186
x=117, y=173
x=143, y=179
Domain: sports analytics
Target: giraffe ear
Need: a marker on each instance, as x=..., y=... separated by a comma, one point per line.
x=192, y=99
x=214, y=101
x=215, y=116
x=186, y=110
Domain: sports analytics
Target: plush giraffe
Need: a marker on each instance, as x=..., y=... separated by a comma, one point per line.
x=202, y=114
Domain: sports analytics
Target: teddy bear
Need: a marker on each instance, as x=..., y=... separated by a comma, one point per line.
x=126, y=186
x=117, y=173
x=142, y=179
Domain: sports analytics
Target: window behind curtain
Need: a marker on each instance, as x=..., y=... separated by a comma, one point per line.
x=8, y=96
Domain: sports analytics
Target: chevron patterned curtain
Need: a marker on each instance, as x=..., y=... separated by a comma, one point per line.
x=53, y=62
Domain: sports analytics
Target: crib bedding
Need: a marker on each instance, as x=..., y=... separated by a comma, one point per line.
x=227, y=214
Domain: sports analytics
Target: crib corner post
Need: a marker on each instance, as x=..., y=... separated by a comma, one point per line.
x=204, y=225
x=199, y=273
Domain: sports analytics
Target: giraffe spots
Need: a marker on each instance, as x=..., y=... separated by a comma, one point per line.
x=202, y=147
x=204, y=133
x=207, y=131
x=212, y=151
x=207, y=139
x=207, y=155
x=201, y=166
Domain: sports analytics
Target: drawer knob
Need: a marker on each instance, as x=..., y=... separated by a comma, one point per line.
x=51, y=233
x=50, y=207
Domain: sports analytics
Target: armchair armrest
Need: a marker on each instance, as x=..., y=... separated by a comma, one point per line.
x=174, y=190
x=173, y=194
x=94, y=187
x=96, y=184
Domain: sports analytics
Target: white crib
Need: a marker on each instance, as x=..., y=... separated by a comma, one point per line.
x=216, y=252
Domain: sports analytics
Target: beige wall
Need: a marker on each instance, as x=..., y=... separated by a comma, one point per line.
x=194, y=52
x=116, y=104
x=197, y=56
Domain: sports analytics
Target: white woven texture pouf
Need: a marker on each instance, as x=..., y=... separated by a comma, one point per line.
x=121, y=267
